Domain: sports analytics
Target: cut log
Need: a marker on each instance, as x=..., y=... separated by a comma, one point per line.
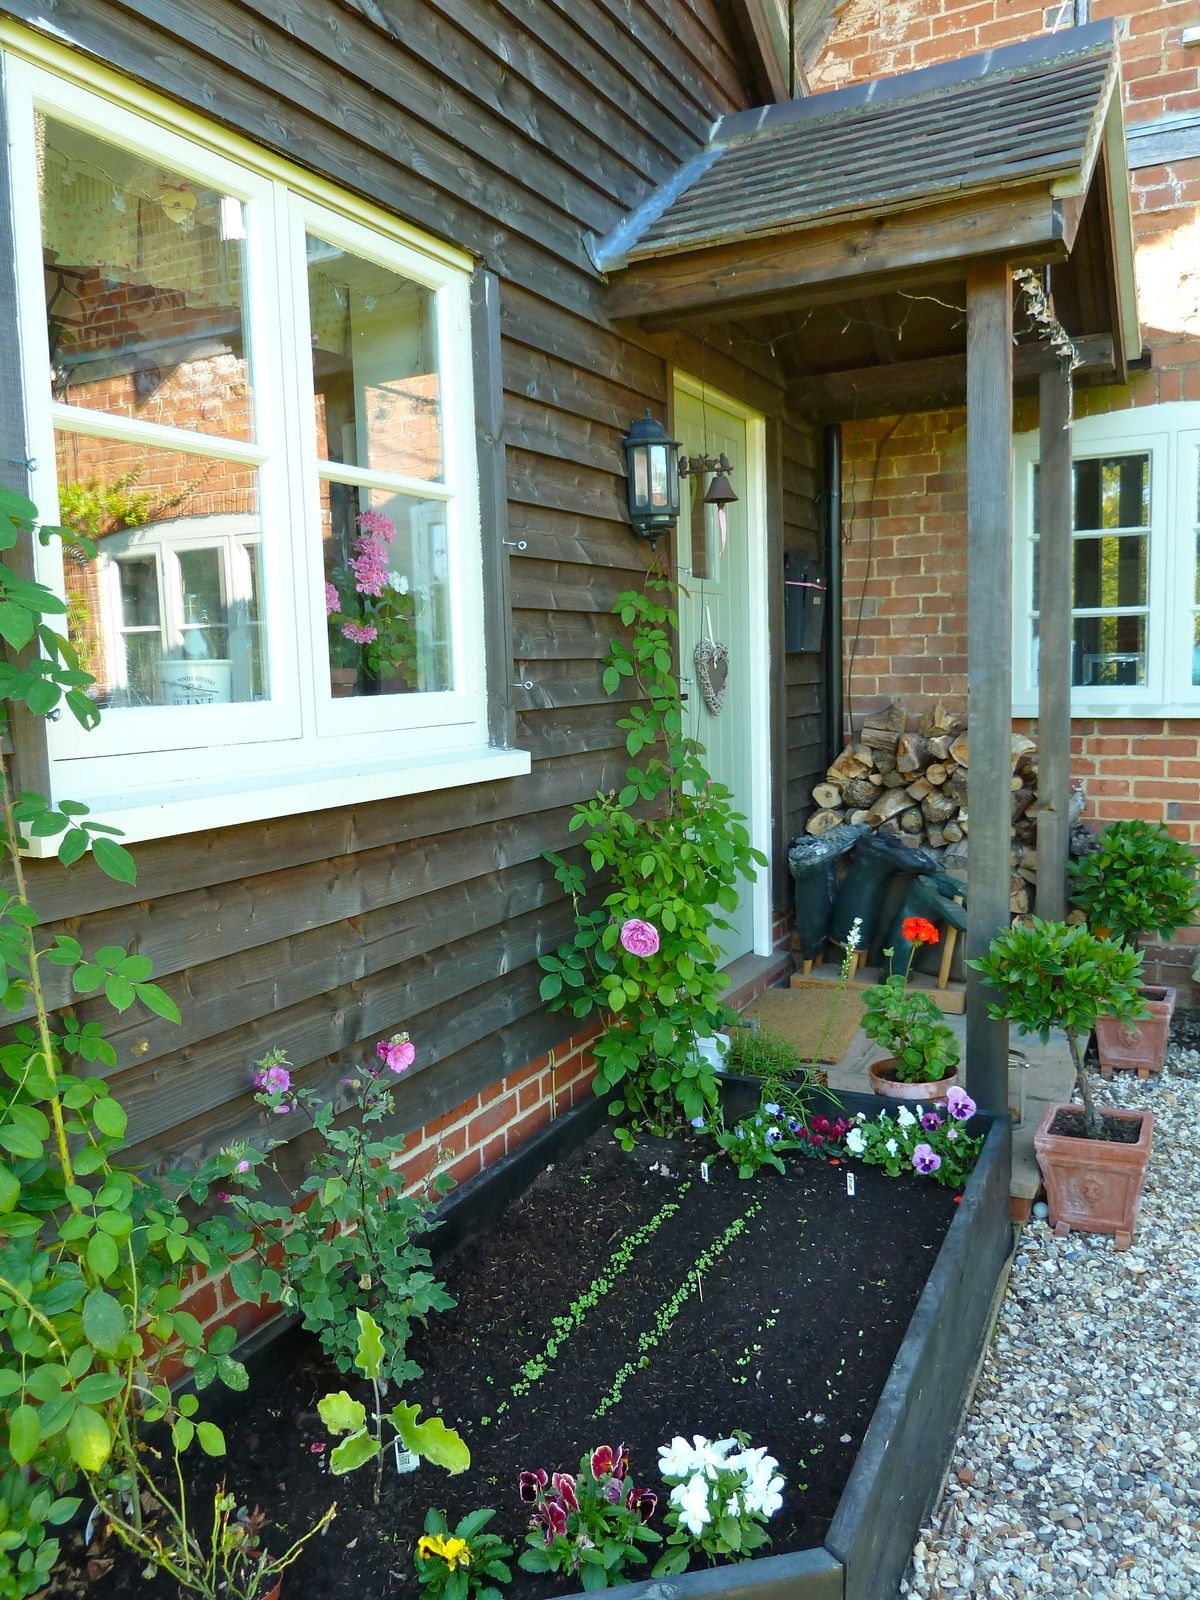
x=875, y=777
x=824, y=821
x=1020, y=800
x=955, y=787
x=939, y=746
x=892, y=718
x=937, y=837
x=920, y=789
x=912, y=753
x=935, y=720
x=951, y=831
x=1025, y=830
x=937, y=806
x=895, y=779
x=911, y=820
x=964, y=822
x=858, y=792
x=936, y=773
x=889, y=804
x=827, y=796
x=857, y=816
x=1022, y=746
x=960, y=750
x=846, y=766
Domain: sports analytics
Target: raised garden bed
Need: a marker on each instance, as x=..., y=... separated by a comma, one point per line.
x=840, y=1332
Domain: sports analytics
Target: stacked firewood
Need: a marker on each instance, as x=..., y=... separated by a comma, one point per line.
x=912, y=782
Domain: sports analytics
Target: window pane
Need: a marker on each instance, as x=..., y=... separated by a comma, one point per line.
x=375, y=374
x=169, y=611
x=387, y=593
x=1112, y=492
x=1196, y=650
x=144, y=272
x=1108, y=651
x=1111, y=572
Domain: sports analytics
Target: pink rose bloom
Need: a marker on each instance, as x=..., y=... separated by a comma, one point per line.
x=396, y=1053
x=639, y=938
x=359, y=632
x=332, y=600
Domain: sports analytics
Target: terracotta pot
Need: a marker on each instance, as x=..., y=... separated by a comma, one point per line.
x=1094, y=1185
x=273, y=1594
x=884, y=1082
x=342, y=683
x=1140, y=1046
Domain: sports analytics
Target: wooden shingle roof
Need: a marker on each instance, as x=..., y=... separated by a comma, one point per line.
x=1028, y=112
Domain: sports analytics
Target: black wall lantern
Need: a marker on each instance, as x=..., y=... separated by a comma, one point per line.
x=651, y=460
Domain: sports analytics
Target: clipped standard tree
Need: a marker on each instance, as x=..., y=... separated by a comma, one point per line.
x=1051, y=975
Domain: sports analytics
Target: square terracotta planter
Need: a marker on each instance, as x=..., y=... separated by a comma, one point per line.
x=1094, y=1185
x=1140, y=1046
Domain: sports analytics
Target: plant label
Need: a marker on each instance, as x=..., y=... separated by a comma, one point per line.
x=406, y=1460
x=850, y=1184
x=704, y=1171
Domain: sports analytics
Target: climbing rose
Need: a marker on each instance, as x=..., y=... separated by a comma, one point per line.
x=639, y=938
x=396, y=1053
x=919, y=930
x=926, y=1159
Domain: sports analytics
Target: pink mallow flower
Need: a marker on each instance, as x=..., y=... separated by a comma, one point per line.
x=359, y=632
x=639, y=938
x=396, y=1053
x=242, y=1166
x=926, y=1159
x=273, y=1080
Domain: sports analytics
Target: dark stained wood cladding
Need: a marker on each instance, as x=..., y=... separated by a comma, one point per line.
x=511, y=128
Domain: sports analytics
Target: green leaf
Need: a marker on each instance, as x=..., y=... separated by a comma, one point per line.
x=432, y=1440
x=212, y=1440
x=158, y=1001
x=182, y=1433
x=21, y=1142
x=72, y=846
x=118, y=992
x=10, y=1191
x=104, y=1320
x=88, y=1439
x=341, y=1413
x=24, y=1434
x=114, y=860
x=551, y=986
x=102, y=1255
x=352, y=1452
x=109, y=1116
x=370, y=1345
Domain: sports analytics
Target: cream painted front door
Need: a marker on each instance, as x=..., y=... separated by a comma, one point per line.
x=717, y=575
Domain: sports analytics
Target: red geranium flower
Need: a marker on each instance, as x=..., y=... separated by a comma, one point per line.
x=919, y=930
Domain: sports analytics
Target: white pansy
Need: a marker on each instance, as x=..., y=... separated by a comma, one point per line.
x=892, y=1148
x=856, y=1141
x=677, y=1459
x=905, y=1118
x=692, y=1500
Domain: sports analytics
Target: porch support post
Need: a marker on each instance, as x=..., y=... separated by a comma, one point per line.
x=1054, y=642
x=989, y=656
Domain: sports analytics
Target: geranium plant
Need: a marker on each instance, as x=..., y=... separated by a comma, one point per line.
x=345, y=1237
x=723, y=1492
x=588, y=1524
x=907, y=1023
x=1057, y=975
x=371, y=608
x=1139, y=881
x=672, y=852
x=464, y=1563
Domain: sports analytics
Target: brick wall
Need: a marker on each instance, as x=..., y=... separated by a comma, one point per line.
x=905, y=485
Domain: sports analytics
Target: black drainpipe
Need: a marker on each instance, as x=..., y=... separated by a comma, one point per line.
x=832, y=442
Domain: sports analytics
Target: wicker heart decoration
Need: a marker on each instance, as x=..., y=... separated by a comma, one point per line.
x=712, y=669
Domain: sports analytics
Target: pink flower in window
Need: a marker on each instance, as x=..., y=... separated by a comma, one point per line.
x=332, y=600
x=359, y=632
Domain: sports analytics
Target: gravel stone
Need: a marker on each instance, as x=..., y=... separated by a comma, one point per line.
x=1078, y=1468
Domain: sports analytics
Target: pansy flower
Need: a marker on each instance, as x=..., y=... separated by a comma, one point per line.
x=530, y=1484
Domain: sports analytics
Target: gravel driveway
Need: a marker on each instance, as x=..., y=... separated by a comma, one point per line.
x=1078, y=1470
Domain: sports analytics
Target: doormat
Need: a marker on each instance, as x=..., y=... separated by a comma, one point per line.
x=819, y=1023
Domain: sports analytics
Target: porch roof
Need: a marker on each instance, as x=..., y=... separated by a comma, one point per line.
x=1016, y=153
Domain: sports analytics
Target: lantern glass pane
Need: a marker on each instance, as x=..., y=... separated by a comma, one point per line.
x=659, y=491
x=641, y=477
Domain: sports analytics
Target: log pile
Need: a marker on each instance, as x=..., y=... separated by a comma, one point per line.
x=912, y=782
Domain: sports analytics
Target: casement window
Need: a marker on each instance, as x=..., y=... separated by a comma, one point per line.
x=255, y=395
x=1135, y=600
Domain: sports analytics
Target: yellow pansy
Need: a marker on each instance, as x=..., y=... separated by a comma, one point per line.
x=454, y=1552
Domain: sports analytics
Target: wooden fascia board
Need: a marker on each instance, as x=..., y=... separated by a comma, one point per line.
x=779, y=270
x=925, y=385
x=766, y=50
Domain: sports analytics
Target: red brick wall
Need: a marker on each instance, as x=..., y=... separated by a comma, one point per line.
x=905, y=486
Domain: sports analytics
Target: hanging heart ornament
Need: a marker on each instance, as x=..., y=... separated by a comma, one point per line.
x=712, y=670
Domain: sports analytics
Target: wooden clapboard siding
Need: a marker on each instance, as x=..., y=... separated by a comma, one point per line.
x=803, y=674
x=511, y=128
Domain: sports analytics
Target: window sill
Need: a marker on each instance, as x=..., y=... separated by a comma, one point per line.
x=1145, y=711
x=163, y=812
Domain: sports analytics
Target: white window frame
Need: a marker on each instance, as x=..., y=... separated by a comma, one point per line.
x=1170, y=435
x=153, y=771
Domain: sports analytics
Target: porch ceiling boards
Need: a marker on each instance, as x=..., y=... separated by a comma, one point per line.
x=862, y=198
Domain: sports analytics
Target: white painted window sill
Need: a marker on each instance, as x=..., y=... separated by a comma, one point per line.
x=165, y=812
x=1131, y=710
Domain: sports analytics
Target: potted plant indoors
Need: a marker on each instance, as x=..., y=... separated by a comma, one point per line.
x=1140, y=881
x=1054, y=975
x=924, y=1056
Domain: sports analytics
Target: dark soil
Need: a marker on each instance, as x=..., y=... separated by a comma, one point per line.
x=800, y=1320
x=1116, y=1130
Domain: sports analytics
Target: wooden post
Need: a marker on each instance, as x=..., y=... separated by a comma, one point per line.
x=1054, y=642
x=493, y=506
x=989, y=656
